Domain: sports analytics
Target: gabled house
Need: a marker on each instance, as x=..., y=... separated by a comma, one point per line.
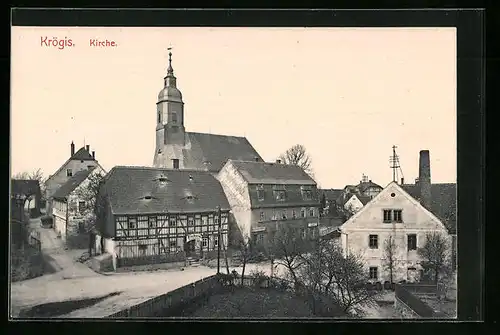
x=70, y=210
x=80, y=160
x=393, y=215
x=331, y=195
x=156, y=215
x=264, y=196
x=355, y=203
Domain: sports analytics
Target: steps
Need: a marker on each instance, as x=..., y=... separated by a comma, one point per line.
x=191, y=261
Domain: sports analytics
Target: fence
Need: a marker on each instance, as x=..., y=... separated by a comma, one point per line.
x=34, y=240
x=405, y=294
x=167, y=303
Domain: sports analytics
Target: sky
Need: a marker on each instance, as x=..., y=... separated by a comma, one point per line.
x=347, y=94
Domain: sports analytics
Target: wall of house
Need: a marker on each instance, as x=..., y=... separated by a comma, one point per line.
x=59, y=211
x=236, y=191
x=56, y=180
x=369, y=221
x=353, y=204
x=372, y=191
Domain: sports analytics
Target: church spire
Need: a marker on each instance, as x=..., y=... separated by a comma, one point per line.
x=170, y=78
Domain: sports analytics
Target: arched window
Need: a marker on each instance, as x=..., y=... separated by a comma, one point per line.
x=174, y=117
x=159, y=116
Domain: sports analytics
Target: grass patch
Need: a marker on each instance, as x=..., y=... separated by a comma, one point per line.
x=253, y=302
x=54, y=309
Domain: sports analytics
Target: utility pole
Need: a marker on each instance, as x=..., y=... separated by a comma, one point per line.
x=218, y=238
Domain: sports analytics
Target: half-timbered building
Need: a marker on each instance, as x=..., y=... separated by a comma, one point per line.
x=155, y=215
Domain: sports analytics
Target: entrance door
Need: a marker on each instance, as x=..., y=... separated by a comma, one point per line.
x=189, y=247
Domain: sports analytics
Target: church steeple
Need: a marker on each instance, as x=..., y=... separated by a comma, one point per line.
x=170, y=80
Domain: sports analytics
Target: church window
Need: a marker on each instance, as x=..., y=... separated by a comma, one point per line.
x=174, y=117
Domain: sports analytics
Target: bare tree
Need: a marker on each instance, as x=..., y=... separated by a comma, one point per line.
x=390, y=256
x=332, y=276
x=297, y=155
x=435, y=256
x=245, y=249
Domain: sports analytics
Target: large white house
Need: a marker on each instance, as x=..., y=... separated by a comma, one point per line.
x=392, y=215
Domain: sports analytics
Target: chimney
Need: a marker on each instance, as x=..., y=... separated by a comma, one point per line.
x=402, y=181
x=278, y=161
x=72, y=148
x=93, y=154
x=424, y=179
x=256, y=159
x=87, y=147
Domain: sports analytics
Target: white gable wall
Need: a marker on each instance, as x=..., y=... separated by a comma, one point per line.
x=369, y=221
x=353, y=204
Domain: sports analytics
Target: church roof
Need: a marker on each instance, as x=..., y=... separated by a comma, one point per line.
x=210, y=152
x=136, y=190
x=65, y=189
x=272, y=173
x=443, y=202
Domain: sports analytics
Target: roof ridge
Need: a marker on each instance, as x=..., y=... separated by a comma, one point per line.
x=140, y=167
x=222, y=135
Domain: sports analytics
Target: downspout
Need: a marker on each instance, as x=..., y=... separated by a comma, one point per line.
x=67, y=218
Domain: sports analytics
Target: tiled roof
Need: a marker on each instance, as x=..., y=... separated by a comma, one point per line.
x=364, y=199
x=25, y=187
x=363, y=186
x=128, y=189
x=65, y=189
x=210, y=152
x=83, y=155
x=443, y=203
x=272, y=173
x=331, y=194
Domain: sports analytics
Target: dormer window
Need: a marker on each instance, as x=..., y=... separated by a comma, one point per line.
x=69, y=173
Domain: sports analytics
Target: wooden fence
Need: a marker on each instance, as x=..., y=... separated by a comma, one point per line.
x=177, y=299
x=407, y=294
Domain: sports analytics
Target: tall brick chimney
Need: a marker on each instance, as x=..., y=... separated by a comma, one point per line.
x=88, y=148
x=424, y=179
x=72, y=148
x=93, y=154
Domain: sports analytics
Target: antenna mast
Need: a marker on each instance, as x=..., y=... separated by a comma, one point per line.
x=395, y=166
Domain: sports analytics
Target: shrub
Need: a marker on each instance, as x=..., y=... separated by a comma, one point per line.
x=378, y=286
x=259, y=277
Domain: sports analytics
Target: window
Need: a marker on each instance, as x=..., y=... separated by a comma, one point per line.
x=204, y=242
x=262, y=216
x=387, y=215
x=190, y=221
x=174, y=117
x=283, y=214
x=303, y=213
x=132, y=223
x=313, y=233
x=81, y=206
x=294, y=214
x=398, y=215
x=69, y=173
x=312, y=212
x=175, y=163
x=204, y=220
x=412, y=242
x=306, y=194
x=159, y=116
x=81, y=227
x=274, y=216
x=260, y=192
x=260, y=238
x=216, y=241
x=173, y=243
x=216, y=219
x=142, y=249
x=373, y=241
x=172, y=221
x=210, y=219
x=280, y=195
x=303, y=233
x=373, y=272
x=197, y=220
x=89, y=167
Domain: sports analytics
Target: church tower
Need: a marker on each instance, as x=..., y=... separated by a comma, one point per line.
x=170, y=130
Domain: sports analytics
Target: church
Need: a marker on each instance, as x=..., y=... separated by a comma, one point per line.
x=178, y=149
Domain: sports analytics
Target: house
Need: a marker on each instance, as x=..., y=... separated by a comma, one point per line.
x=355, y=202
x=331, y=195
x=393, y=215
x=264, y=195
x=70, y=210
x=78, y=161
x=365, y=188
x=29, y=191
x=178, y=149
x=155, y=215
